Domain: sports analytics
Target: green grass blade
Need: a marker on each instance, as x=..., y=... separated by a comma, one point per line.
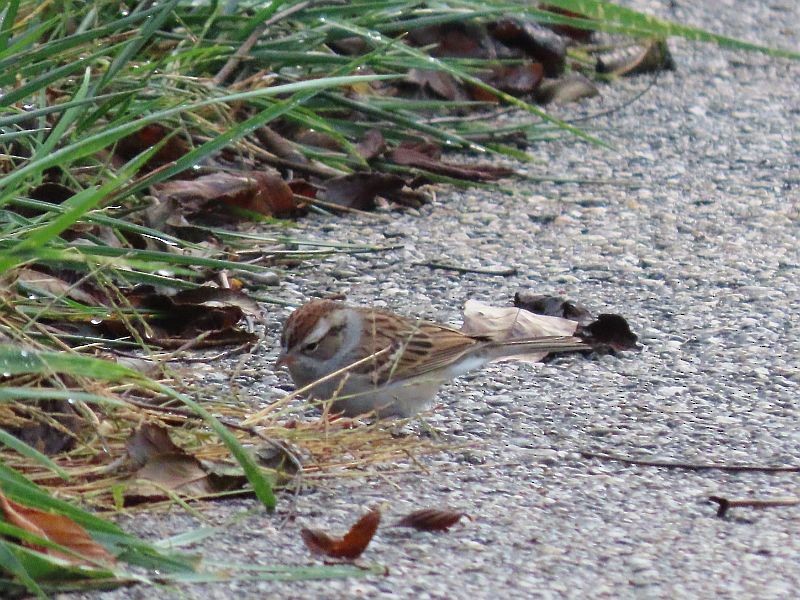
x=9, y=563
x=132, y=48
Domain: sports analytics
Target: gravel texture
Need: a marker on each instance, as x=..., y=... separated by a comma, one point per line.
x=692, y=235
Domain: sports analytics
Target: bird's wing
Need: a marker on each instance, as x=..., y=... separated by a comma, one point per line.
x=421, y=347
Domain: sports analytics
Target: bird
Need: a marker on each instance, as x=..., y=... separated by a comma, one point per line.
x=369, y=360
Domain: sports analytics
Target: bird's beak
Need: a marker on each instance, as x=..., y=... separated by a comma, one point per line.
x=284, y=360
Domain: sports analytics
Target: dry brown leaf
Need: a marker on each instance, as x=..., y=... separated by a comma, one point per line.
x=535, y=40
x=501, y=323
x=149, y=441
x=430, y=519
x=256, y=191
x=56, y=528
x=569, y=88
x=203, y=317
x=517, y=80
x=639, y=58
x=371, y=145
x=359, y=190
x=351, y=546
x=441, y=83
x=147, y=137
x=164, y=466
x=455, y=39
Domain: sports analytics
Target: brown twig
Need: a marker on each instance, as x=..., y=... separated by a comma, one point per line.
x=251, y=40
x=334, y=207
x=506, y=272
x=728, y=503
x=689, y=465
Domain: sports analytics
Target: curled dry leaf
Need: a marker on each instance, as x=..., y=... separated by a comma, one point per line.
x=610, y=331
x=566, y=89
x=199, y=318
x=359, y=190
x=538, y=42
x=501, y=323
x=56, y=528
x=638, y=58
x=162, y=466
x=554, y=306
x=255, y=191
x=517, y=80
x=148, y=441
x=371, y=145
x=431, y=519
x=351, y=546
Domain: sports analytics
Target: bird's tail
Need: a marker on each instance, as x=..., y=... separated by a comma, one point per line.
x=541, y=346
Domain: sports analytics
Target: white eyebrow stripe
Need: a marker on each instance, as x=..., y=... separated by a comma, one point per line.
x=319, y=332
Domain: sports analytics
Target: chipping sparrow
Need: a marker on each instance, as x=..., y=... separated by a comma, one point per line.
x=398, y=363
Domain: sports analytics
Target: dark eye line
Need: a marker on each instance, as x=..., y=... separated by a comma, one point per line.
x=311, y=346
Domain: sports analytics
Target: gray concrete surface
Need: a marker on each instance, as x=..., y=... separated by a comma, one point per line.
x=698, y=247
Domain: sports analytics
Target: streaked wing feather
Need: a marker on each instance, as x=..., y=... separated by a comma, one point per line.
x=413, y=351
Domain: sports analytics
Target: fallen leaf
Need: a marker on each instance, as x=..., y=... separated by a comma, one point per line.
x=56, y=528
x=638, y=58
x=319, y=139
x=535, y=40
x=351, y=546
x=359, y=190
x=36, y=282
x=303, y=188
x=148, y=441
x=147, y=137
x=274, y=142
x=517, y=80
x=349, y=46
x=165, y=467
x=455, y=40
x=554, y=306
x=570, y=31
x=502, y=323
x=569, y=88
x=441, y=83
x=371, y=145
x=609, y=330
x=430, y=519
x=203, y=317
x=255, y=191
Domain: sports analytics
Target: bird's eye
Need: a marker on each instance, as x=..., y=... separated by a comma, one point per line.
x=311, y=347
